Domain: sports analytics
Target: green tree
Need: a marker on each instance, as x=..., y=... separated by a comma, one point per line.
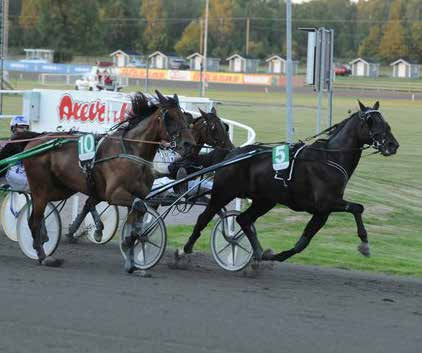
x=190, y=41
x=118, y=28
x=181, y=14
x=220, y=26
x=393, y=42
x=69, y=25
x=369, y=46
x=413, y=16
x=155, y=31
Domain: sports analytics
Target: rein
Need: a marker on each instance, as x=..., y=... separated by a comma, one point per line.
x=77, y=136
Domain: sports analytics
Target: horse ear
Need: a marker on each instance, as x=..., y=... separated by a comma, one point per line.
x=176, y=98
x=214, y=111
x=376, y=105
x=202, y=112
x=188, y=118
x=161, y=98
x=361, y=106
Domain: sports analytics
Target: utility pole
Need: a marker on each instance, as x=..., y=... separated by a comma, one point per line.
x=5, y=28
x=201, y=35
x=4, y=35
x=247, y=35
x=289, y=73
x=204, y=58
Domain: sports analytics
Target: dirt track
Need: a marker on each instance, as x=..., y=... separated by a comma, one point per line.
x=91, y=305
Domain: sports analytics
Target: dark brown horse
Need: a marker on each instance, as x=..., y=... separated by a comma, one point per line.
x=122, y=174
x=209, y=129
x=317, y=184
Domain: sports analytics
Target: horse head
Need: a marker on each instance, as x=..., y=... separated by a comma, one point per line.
x=376, y=131
x=174, y=127
x=211, y=130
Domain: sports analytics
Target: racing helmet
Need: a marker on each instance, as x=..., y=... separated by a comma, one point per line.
x=18, y=120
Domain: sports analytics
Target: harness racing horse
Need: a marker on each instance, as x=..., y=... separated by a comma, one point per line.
x=211, y=130
x=122, y=173
x=320, y=175
x=207, y=129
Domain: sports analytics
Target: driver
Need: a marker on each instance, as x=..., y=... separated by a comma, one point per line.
x=16, y=176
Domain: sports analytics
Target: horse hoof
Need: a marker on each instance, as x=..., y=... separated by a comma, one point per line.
x=71, y=238
x=98, y=236
x=178, y=254
x=129, y=269
x=145, y=274
x=364, y=249
x=129, y=265
x=181, y=261
x=255, y=265
x=52, y=262
x=268, y=255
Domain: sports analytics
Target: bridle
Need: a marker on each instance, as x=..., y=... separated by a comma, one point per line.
x=378, y=137
x=171, y=137
x=210, y=129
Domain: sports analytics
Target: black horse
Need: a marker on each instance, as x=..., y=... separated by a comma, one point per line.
x=317, y=184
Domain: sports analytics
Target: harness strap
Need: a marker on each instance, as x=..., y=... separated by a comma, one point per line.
x=131, y=157
x=339, y=168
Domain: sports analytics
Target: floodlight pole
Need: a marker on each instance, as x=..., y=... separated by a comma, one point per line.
x=289, y=72
x=204, y=58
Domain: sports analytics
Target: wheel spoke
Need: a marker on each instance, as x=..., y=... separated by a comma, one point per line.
x=143, y=251
x=233, y=254
x=220, y=251
x=103, y=211
x=153, y=244
x=243, y=248
x=239, y=235
x=151, y=227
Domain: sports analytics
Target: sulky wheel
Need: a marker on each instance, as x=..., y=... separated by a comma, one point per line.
x=9, y=211
x=53, y=226
x=229, y=244
x=151, y=242
x=109, y=215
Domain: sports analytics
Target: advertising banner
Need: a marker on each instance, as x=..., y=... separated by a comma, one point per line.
x=211, y=77
x=87, y=111
x=257, y=79
x=68, y=69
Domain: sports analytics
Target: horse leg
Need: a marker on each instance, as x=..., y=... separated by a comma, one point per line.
x=134, y=219
x=356, y=210
x=134, y=222
x=37, y=226
x=248, y=217
x=89, y=204
x=99, y=226
x=213, y=207
x=314, y=225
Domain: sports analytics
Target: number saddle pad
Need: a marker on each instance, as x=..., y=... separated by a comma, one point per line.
x=283, y=158
x=87, y=148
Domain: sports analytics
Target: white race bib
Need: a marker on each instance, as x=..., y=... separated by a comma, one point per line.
x=281, y=158
x=86, y=147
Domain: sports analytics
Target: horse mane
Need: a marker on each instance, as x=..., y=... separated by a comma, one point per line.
x=141, y=109
x=339, y=127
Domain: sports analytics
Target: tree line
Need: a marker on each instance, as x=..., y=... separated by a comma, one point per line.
x=380, y=29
